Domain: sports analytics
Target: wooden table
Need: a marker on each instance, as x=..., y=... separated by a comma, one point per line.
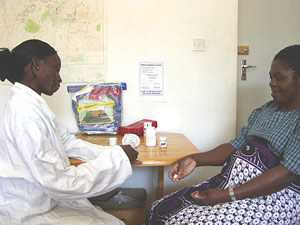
x=178, y=147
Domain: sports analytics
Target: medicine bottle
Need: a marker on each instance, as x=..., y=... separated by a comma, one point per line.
x=163, y=142
x=150, y=136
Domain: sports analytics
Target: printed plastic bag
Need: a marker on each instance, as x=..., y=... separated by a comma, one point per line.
x=97, y=107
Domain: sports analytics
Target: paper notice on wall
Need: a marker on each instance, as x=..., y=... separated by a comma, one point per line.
x=151, y=80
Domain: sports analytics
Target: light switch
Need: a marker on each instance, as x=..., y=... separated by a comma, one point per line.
x=199, y=45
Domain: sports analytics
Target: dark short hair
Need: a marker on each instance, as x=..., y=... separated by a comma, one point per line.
x=291, y=56
x=12, y=63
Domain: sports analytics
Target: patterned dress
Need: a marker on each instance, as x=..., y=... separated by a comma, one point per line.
x=263, y=144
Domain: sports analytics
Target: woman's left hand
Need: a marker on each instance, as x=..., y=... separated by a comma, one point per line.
x=211, y=196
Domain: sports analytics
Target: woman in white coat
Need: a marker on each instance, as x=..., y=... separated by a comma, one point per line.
x=38, y=186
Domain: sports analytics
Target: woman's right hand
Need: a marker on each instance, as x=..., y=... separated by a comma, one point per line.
x=131, y=153
x=182, y=168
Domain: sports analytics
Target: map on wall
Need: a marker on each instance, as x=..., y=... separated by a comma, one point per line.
x=73, y=27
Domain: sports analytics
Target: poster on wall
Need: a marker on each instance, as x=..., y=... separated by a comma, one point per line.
x=151, y=79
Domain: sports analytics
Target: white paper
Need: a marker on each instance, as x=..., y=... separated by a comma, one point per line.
x=151, y=79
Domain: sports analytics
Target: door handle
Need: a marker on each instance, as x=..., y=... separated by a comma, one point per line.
x=244, y=67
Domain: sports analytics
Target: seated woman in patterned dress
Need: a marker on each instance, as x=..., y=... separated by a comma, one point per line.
x=259, y=183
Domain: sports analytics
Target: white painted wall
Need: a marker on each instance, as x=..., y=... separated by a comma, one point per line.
x=201, y=87
x=200, y=96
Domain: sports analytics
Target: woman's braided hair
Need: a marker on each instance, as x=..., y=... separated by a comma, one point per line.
x=12, y=63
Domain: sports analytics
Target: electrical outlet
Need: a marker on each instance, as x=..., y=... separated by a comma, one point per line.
x=199, y=45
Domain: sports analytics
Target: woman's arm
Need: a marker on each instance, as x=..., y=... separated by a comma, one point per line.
x=215, y=157
x=271, y=181
x=186, y=166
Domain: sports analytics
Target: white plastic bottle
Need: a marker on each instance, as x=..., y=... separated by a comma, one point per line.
x=150, y=136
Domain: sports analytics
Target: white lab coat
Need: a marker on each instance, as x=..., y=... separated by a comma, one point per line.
x=38, y=186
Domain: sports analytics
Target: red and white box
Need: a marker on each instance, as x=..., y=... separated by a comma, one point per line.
x=136, y=128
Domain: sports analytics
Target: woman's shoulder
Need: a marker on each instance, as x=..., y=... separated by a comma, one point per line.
x=23, y=107
x=268, y=106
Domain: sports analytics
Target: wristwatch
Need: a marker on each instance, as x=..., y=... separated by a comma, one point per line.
x=231, y=194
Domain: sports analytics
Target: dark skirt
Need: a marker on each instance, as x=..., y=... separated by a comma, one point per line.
x=251, y=160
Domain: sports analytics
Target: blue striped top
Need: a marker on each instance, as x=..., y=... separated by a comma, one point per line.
x=280, y=129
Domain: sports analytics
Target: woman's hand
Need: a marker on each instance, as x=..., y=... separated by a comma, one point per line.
x=182, y=168
x=131, y=153
x=211, y=196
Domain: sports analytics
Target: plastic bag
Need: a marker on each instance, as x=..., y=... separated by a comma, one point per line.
x=97, y=107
